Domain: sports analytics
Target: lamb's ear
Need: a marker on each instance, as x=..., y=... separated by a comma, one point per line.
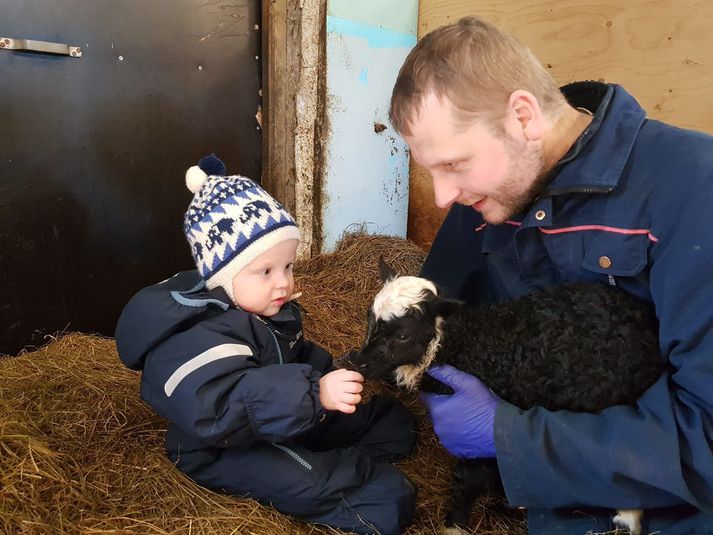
x=385, y=270
x=444, y=307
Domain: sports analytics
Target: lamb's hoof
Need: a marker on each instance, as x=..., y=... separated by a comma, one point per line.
x=453, y=530
x=629, y=519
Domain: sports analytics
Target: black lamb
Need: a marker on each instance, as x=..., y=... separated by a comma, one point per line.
x=579, y=347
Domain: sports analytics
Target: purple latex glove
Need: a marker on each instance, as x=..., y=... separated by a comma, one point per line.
x=463, y=421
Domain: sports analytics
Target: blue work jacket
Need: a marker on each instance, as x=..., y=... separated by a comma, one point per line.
x=631, y=205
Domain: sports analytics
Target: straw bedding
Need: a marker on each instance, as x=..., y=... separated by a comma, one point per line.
x=81, y=453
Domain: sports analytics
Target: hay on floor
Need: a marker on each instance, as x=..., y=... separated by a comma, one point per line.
x=81, y=453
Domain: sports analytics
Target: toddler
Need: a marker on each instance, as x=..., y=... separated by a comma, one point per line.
x=254, y=409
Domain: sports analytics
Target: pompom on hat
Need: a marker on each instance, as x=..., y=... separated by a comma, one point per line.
x=230, y=222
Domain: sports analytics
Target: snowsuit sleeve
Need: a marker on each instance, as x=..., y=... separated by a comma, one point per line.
x=316, y=356
x=211, y=386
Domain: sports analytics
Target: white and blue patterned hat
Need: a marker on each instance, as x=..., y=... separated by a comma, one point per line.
x=230, y=222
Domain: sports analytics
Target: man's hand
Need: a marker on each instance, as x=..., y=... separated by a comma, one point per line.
x=340, y=390
x=463, y=421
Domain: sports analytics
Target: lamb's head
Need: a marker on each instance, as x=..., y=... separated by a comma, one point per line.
x=405, y=328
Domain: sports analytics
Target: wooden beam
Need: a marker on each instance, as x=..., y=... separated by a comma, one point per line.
x=293, y=61
x=278, y=108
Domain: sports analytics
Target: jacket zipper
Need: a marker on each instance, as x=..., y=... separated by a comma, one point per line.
x=292, y=453
x=562, y=191
x=279, y=349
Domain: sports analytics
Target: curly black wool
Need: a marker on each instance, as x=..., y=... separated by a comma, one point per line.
x=580, y=347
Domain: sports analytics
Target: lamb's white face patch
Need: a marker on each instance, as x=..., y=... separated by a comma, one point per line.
x=399, y=295
x=409, y=376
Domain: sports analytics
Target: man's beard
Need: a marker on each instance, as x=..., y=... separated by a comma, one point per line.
x=524, y=163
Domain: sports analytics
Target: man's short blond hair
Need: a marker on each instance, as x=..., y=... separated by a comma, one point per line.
x=477, y=67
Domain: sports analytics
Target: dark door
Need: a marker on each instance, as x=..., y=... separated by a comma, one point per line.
x=93, y=150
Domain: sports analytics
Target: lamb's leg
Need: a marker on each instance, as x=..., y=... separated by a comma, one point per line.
x=629, y=519
x=472, y=478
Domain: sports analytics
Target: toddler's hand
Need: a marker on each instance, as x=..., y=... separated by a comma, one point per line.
x=340, y=390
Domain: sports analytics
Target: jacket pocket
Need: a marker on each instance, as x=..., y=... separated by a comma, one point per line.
x=616, y=253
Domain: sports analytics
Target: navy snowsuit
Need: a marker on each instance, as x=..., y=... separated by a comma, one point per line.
x=241, y=394
x=631, y=205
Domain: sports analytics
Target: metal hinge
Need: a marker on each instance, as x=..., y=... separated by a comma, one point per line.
x=44, y=47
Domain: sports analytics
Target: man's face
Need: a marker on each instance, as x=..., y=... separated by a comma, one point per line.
x=496, y=174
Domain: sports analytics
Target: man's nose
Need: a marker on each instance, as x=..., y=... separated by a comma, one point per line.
x=445, y=192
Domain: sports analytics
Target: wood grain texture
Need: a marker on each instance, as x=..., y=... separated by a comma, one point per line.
x=659, y=50
x=278, y=108
x=293, y=71
x=424, y=217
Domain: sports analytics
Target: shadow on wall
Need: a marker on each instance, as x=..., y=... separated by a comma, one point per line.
x=41, y=229
x=80, y=235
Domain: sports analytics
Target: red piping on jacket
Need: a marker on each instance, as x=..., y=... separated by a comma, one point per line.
x=580, y=228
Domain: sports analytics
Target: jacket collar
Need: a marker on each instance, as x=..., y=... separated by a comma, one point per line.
x=289, y=312
x=597, y=159
x=287, y=319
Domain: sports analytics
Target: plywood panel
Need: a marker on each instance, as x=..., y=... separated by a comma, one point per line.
x=659, y=50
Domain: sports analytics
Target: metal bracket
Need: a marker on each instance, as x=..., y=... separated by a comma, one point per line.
x=44, y=47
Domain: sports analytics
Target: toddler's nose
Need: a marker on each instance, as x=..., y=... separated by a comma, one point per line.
x=282, y=281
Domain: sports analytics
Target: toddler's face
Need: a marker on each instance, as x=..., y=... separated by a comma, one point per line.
x=266, y=283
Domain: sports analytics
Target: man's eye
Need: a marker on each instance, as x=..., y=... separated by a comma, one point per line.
x=455, y=167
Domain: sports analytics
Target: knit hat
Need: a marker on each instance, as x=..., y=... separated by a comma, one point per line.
x=230, y=222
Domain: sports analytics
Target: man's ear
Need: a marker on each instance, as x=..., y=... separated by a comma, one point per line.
x=385, y=270
x=526, y=115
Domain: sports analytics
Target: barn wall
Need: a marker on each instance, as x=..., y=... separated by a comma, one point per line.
x=365, y=162
x=94, y=149
x=658, y=50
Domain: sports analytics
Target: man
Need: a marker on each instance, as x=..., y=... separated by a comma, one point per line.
x=547, y=186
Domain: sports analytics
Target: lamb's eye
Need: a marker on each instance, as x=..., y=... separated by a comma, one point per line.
x=403, y=337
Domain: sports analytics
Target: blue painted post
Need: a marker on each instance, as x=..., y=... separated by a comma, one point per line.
x=366, y=175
